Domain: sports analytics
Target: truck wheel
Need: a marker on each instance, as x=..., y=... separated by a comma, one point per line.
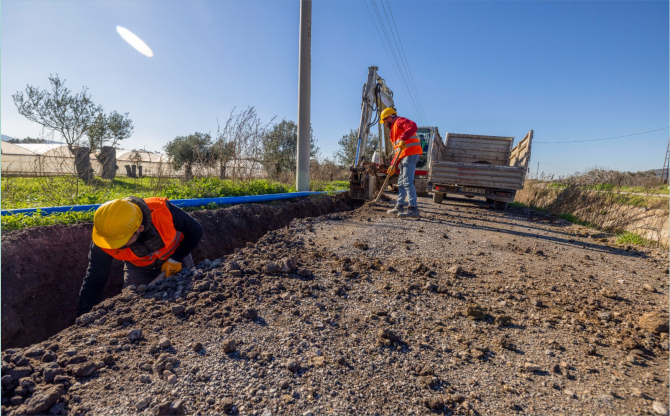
x=438, y=197
x=489, y=201
x=500, y=205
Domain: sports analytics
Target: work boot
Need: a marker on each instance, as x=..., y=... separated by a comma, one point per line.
x=412, y=212
x=398, y=209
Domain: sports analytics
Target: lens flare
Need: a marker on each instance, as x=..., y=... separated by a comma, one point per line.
x=134, y=41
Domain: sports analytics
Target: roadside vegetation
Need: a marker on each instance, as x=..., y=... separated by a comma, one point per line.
x=634, y=239
x=68, y=190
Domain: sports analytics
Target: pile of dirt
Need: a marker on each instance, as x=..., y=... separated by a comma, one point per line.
x=43, y=267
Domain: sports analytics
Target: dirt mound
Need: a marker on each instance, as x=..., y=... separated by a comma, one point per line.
x=43, y=268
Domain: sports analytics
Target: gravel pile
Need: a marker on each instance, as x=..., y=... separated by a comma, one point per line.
x=464, y=311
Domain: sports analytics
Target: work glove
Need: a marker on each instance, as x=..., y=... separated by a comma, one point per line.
x=401, y=145
x=391, y=170
x=171, y=267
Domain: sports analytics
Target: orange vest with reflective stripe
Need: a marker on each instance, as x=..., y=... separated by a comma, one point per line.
x=413, y=144
x=161, y=219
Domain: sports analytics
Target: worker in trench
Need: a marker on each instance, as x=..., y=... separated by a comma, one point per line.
x=150, y=236
x=408, y=150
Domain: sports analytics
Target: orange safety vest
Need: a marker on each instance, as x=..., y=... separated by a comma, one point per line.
x=413, y=144
x=161, y=219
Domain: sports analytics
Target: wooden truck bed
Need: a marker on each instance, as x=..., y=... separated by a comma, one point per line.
x=478, y=175
x=475, y=165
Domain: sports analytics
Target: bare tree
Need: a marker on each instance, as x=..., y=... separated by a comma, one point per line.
x=238, y=145
x=60, y=111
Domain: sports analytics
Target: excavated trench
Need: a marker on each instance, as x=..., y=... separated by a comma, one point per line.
x=43, y=268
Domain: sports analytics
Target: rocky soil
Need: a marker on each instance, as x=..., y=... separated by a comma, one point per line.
x=41, y=281
x=464, y=311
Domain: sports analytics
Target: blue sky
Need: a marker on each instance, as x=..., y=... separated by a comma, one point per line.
x=569, y=70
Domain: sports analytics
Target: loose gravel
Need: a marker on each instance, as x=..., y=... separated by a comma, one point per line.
x=466, y=310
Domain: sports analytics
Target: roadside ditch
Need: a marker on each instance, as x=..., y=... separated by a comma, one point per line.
x=603, y=210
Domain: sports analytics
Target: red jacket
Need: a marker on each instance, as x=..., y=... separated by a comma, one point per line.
x=404, y=129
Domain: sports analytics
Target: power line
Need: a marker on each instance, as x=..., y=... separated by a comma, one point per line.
x=403, y=58
x=409, y=70
x=558, y=167
x=607, y=138
x=393, y=59
x=397, y=63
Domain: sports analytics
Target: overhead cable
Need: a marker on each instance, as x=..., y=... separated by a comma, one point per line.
x=404, y=56
x=399, y=68
x=557, y=167
x=391, y=55
x=606, y=138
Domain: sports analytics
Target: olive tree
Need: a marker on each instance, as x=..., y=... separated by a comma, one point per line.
x=62, y=112
x=280, y=148
x=348, y=145
x=104, y=134
x=186, y=151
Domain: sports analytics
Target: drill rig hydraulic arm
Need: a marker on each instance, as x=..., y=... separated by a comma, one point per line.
x=376, y=97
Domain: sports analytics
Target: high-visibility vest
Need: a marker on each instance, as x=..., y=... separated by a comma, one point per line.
x=161, y=220
x=413, y=144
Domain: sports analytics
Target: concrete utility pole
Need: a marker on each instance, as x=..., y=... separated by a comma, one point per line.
x=304, y=92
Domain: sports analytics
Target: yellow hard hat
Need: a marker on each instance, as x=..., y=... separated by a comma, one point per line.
x=387, y=112
x=115, y=222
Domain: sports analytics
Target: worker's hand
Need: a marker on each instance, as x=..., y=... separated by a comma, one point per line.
x=171, y=267
x=391, y=170
x=402, y=145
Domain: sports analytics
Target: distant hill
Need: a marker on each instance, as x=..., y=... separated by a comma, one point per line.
x=7, y=138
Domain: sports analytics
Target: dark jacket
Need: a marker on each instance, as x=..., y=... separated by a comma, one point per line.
x=99, y=262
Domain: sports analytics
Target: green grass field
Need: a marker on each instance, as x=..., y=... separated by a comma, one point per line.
x=64, y=191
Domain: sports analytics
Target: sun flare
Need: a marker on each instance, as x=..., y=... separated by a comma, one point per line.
x=134, y=41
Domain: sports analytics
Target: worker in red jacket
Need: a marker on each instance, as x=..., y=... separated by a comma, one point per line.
x=408, y=145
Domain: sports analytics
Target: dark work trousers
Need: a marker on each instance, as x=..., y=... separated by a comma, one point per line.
x=135, y=275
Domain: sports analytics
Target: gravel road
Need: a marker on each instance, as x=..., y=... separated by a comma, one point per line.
x=467, y=310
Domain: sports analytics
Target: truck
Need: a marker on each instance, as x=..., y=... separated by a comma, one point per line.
x=367, y=176
x=479, y=166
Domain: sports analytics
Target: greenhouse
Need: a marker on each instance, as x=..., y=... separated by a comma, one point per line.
x=48, y=159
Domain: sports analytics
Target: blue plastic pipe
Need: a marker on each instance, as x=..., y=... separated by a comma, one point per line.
x=198, y=202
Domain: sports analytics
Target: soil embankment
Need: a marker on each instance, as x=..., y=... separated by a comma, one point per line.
x=43, y=267
x=465, y=311
x=604, y=210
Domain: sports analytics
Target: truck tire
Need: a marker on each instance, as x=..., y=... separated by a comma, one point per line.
x=438, y=197
x=500, y=205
